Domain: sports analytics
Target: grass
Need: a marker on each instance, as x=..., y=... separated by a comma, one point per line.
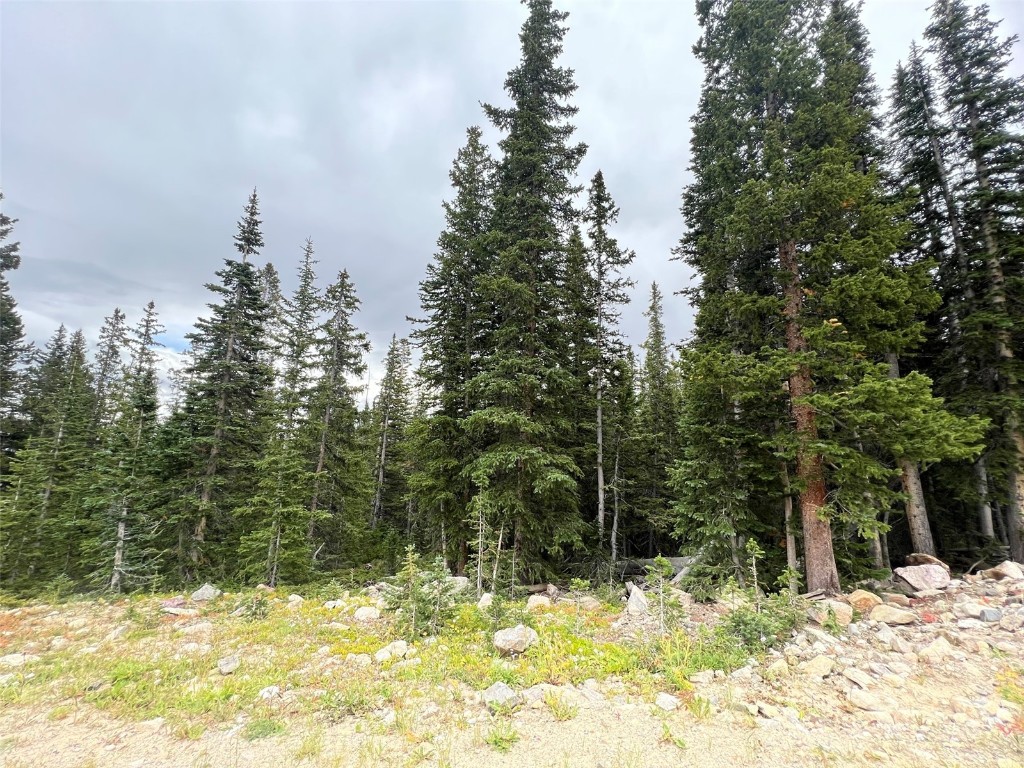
x=262, y=728
x=502, y=736
x=153, y=668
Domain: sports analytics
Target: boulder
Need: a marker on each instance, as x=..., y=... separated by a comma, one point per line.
x=515, y=640
x=887, y=614
x=920, y=558
x=228, y=665
x=485, y=601
x=396, y=650
x=702, y=678
x=864, y=700
x=295, y=599
x=819, y=612
x=500, y=696
x=936, y=650
x=864, y=601
x=778, y=668
x=858, y=676
x=333, y=605
x=1005, y=570
x=206, y=592
x=366, y=613
x=536, y=602
x=17, y=659
x=459, y=583
x=589, y=604
x=819, y=666
x=358, y=659
x=637, y=604
x=924, y=577
x=895, y=598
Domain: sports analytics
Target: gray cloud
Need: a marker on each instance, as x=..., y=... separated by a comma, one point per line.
x=132, y=133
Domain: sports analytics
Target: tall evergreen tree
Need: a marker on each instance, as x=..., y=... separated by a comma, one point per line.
x=524, y=474
x=13, y=349
x=392, y=414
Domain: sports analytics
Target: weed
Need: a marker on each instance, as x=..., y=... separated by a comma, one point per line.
x=502, y=736
x=311, y=746
x=561, y=709
x=262, y=728
x=699, y=707
x=668, y=737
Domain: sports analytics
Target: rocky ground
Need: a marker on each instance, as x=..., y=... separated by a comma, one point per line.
x=927, y=673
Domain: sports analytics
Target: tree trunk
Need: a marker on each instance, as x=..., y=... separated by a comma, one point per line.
x=984, y=507
x=917, y=512
x=381, y=464
x=600, y=463
x=615, y=507
x=819, y=558
x=122, y=529
x=787, y=516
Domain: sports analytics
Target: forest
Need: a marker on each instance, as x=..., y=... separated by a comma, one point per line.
x=850, y=393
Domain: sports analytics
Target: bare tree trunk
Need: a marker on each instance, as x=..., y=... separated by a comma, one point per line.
x=600, y=463
x=615, y=507
x=917, y=512
x=984, y=507
x=480, y=551
x=122, y=529
x=819, y=558
x=787, y=516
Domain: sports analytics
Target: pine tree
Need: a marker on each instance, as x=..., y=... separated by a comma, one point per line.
x=13, y=349
x=108, y=368
x=609, y=294
x=392, y=414
x=340, y=488
x=524, y=474
x=228, y=391
x=986, y=105
x=451, y=338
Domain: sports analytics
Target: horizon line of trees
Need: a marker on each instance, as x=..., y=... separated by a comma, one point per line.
x=850, y=393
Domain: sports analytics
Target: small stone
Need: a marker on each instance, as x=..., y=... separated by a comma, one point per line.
x=820, y=637
x=926, y=594
x=206, y=592
x=778, y=668
x=819, y=666
x=864, y=601
x=173, y=611
x=268, y=693
x=900, y=645
x=537, y=602
x=858, y=676
x=990, y=615
x=896, y=599
x=199, y=628
x=970, y=624
x=486, y=601
x=702, y=678
x=637, y=604
x=396, y=650
x=666, y=702
x=515, y=640
x=1011, y=622
x=887, y=614
x=864, y=700
x=359, y=659
x=743, y=673
x=228, y=665
x=937, y=650
x=295, y=599
x=500, y=696
x=333, y=605
x=366, y=613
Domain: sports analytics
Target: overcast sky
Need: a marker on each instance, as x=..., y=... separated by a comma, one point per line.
x=132, y=132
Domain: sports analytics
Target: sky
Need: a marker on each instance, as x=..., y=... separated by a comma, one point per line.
x=131, y=134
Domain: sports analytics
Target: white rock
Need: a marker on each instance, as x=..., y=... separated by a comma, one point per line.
x=936, y=650
x=515, y=640
x=588, y=603
x=396, y=650
x=228, y=665
x=359, y=659
x=702, y=678
x=199, y=628
x=924, y=577
x=637, y=604
x=858, y=676
x=818, y=612
x=333, y=605
x=366, y=613
x=459, y=583
x=500, y=696
x=17, y=659
x=270, y=692
x=888, y=614
x=1005, y=570
x=536, y=602
x=486, y=601
x=666, y=702
x=819, y=666
x=295, y=599
x=206, y=592
x=864, y=700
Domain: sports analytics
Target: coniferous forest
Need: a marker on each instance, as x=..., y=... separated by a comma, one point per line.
x=851, y=392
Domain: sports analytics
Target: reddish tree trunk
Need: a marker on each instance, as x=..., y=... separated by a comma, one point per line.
x=819, y=559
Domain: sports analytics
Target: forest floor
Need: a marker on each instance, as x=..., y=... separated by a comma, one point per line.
x=261, y=679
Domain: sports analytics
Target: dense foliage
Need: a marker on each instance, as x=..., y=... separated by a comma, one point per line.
x=851, y=392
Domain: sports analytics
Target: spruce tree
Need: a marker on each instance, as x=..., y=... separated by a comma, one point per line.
x=392, y=414
x=451, y=337
x=229, y=384
x=524, y=474
x=13, y=349
x=609, y=261
x=986, y=105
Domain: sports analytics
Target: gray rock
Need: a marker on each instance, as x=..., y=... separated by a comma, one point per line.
x=637, y=604
x=500, y=696
x=515, y=640
x=702, y=678
x=819, y=636
x=199, y=628
x=366, y=613
x=864, y=700
x=536, y=602
x=206, y=592
x=589, y=604
x=486, y=601
x=819, y=611
x=295, y=599
x=228, y=665
x=923, y=577
x=857, y=676
x=333, y=605
x=666, y=702
x=1005, y=570
x=358, y=659
x=990, y=615
x=268, y=693
x=396, y=650
x=17, y=659
x=900, y=645
x=936, y=650
x=887, y=614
